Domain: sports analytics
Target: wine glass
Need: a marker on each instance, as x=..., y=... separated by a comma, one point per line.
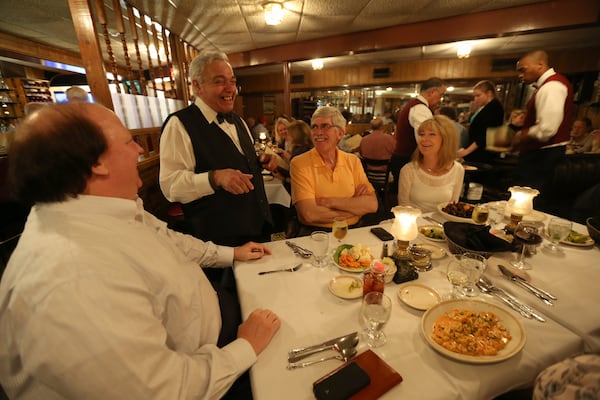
x=558, y=229
x=463, y=272
x=339, y=228
x=376, y=311
x=526, y=233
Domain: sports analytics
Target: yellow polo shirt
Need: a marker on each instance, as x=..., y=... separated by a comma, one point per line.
x=312, y=179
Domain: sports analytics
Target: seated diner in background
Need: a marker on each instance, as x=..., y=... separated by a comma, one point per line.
x=299, y=141
x=100, y=300
x=377, y=145
x=327, y=182
x=433, y=176
x=581, y=137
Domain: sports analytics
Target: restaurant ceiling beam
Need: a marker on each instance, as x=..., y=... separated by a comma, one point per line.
x=538, y=17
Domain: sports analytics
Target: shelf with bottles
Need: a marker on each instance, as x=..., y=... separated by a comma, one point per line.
x=27, y=90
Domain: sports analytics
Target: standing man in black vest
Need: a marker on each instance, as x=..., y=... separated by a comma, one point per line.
x=208, y=162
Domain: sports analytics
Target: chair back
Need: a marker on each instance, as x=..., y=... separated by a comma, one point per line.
x=379, y=178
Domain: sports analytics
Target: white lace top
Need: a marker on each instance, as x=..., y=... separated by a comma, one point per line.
x=424, y=191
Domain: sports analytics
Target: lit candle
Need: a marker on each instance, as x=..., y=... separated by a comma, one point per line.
x=262, y=136
x=404, y=228
x=520, y=204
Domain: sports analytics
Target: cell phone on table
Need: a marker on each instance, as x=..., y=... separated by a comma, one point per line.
x=382, y=234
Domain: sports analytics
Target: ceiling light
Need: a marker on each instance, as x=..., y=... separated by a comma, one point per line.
x=463, y=49
x=450, y=89
x=317, y=64
x=273, y=13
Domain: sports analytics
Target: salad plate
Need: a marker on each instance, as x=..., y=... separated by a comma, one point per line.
x=419, y=297
x=578, y=240
x=346, y=286
x=359, y=255
x=432, y=232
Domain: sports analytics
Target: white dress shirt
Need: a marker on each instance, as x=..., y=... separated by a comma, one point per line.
x=178, y=181
x=101, y=301
x=418, y=114
x=549, y=108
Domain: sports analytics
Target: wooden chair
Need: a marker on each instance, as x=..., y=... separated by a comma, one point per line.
x=380, y=179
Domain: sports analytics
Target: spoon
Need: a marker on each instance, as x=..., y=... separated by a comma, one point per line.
x=346, y=353
x=344, y=342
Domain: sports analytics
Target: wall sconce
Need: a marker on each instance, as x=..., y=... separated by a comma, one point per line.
x=317, y=64
x=273, y=13
x=404, y=228
x=463, y=49
x=520, y=204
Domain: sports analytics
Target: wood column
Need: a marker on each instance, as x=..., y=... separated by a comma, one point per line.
x=287, y=101
x=91, y=53
x=179, y=71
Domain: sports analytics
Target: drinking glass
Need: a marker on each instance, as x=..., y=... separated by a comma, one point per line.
x=558, y=229
x=376, y=311
x=497, y=210
x=527, y=233
x=419, y=258
x=339, y=228
x=470, y=268
x=480, y=214
x=319, y=246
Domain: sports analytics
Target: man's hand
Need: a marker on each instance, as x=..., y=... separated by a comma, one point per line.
x=268, y=161
x=259, y=328
x=250, y=251
x=233, y=180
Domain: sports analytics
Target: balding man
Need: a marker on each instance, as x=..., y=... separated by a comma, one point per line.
x=545, y=133
x=100, y=300
x=414, y=113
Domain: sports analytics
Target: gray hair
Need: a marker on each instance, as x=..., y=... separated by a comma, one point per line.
x=199, y=63
x=330, y=112
x=433, y=82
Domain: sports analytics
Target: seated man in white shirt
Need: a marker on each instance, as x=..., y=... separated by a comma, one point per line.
x=99, y=299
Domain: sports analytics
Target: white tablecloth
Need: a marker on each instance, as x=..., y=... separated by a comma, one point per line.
x=311, y=314
x=276, y=193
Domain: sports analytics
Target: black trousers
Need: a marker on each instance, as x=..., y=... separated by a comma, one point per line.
x=535, y=170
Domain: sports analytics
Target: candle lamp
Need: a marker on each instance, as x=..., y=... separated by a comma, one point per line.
x=520, y=204
x=404, y=228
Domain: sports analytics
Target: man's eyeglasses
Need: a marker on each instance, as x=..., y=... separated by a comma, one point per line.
x=220, y=81
x=322, y=127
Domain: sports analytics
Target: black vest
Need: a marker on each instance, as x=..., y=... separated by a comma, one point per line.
x=222, y=217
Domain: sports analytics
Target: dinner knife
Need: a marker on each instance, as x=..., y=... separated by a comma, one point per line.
x=299, y=250
x=431, y=219
x=543, y=295
x=299, y=353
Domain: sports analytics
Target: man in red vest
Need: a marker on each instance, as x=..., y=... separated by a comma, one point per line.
x=545, y=133
x=410, y=118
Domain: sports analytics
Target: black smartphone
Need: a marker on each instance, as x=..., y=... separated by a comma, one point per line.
x=342, y=384
x=382, y=234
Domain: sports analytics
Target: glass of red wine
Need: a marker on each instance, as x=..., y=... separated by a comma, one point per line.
x=527, y=233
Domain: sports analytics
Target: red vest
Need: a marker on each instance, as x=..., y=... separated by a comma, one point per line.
x=405, y=133
x=564, y=130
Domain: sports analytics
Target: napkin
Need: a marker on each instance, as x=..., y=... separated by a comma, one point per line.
x=382, y=376
x=475, y=237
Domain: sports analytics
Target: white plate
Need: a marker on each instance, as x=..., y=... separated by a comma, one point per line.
x=587, y=243
x=436, y=252
x=341, y=284
x=514, y=327
x=435, y=228
x=451, y=217
x=533, y=216
x=418, y=296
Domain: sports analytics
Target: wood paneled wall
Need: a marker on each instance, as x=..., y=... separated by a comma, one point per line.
x=415, y=71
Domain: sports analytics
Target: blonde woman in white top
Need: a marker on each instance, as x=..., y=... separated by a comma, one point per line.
x=433, y=176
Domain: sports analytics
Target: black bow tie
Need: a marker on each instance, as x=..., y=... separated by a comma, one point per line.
x=225, y=117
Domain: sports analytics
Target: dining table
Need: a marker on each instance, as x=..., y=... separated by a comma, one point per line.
x=311, y=313
x=275, y=191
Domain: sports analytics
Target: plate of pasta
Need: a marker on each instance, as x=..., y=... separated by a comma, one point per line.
x=473, y=331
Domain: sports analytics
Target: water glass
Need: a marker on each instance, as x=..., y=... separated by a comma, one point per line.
x=319, y=244
x=375, y=311
x=464, y=272
x=558, y=229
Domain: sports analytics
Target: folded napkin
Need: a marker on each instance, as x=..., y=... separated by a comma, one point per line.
x=475, y=237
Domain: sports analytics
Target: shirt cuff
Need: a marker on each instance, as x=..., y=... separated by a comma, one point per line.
x=224, y=256
x=241, y=350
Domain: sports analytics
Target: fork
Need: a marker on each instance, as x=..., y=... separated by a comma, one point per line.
x=290, y=269
x=486, y=286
